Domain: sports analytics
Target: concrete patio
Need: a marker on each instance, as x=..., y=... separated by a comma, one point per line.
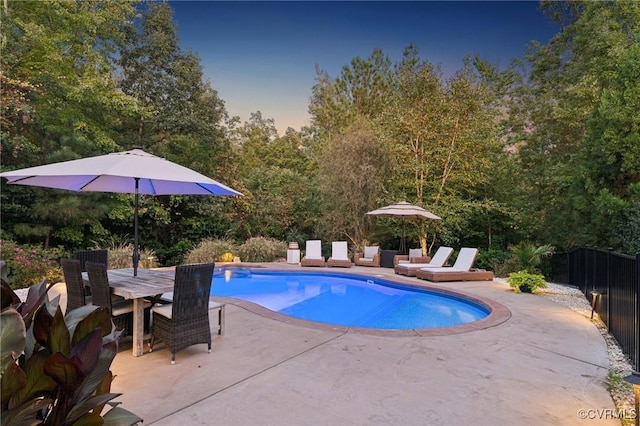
x=544, y=365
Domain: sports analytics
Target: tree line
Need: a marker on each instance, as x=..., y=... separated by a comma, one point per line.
x=546, y=150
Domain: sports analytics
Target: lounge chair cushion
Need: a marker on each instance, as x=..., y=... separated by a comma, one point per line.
x=370, y=252
x=413, y=253
x=339, y=250
x=314, y=250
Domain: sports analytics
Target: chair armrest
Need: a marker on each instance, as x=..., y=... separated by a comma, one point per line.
x=376, y=259
x=398, y=257
x=357, y=256
x=421, y=259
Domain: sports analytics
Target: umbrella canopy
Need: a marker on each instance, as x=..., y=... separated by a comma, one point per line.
x=404, y=210
x=129, y=172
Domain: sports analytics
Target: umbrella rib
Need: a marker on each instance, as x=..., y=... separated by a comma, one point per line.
x=88, y=183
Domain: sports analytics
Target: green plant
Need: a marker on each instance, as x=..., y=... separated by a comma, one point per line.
x=489, y=258
x=55, y=369
x=528, y=257
x=27, y=265
x=211, y=250
x=525, y=282
x=261, y=249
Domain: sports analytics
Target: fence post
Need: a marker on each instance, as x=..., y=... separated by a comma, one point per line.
x=594, y=267
x=586, y=273
x=609, y=257
x=637, y=320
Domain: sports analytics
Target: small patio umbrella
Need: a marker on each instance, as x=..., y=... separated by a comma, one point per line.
x=403, y=210
x=129, y=172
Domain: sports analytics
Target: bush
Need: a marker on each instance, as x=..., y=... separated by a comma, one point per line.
x=212, y=250
x=490, y=258
x=523, y=256
x=528, y=256
x=121, y=256
x=525, y=282
x=261, y=249
x=28, y=265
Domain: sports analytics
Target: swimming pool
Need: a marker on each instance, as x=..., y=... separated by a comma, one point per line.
x=346, y=299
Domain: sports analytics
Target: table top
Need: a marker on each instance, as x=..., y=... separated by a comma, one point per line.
x=148, y=282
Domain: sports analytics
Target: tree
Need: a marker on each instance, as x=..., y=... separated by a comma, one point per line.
x=62, y=102
x=353, y=173
x=574, y=94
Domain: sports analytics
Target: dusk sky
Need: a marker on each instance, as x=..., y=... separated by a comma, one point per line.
x=261, y=56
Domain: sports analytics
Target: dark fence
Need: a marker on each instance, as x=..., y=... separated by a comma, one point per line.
x=611, y=282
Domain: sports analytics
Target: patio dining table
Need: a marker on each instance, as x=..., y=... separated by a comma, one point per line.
x=148, y=282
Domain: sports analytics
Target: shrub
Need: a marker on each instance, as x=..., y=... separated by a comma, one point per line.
x=121, y=256
x=490, y=258
x=28, y=265
x=212, y=250
x=261, y=249
x=525, y=282
x=55, y=368
x=528, y=256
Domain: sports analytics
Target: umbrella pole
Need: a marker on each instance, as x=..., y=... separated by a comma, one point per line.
x=136, y=255
x=403, y=245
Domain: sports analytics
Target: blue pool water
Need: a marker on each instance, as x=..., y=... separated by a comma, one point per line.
x=346, y=299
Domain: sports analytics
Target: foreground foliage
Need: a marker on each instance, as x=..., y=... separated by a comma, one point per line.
x=54, y=368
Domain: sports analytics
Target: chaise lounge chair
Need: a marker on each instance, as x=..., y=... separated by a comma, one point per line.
x=370, y=257
x=313, y=254
x=339, y=255
x=439, y=259
x=460, y=271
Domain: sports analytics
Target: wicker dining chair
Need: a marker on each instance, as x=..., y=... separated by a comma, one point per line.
x=84, y=256
x=76, y=296
x=185, y=321
x=121, y=311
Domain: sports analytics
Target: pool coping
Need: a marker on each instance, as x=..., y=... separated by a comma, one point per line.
x=498, y=313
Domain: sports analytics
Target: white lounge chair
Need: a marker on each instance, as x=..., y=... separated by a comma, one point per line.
x=463, y=262
x=438, y=260
x=313, y=254
x=462, y=269
x=339, y=255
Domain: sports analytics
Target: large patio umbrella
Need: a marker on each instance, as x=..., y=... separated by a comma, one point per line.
x=404, y=210
x=130, y=172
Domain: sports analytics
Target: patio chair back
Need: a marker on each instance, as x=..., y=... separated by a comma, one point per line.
x=442, y=255
x=370, y=251
x=415, y=253
x=84, y=256
x=99, y=283
x=122, y=311
x=339, y=250
x=191, y=292
x=314, y=249
x=466, y=258
x=75, y=285
x=187, y=321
